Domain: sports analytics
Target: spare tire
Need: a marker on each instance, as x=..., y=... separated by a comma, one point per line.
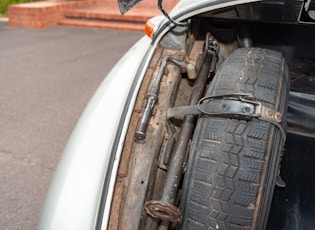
x=233, y=163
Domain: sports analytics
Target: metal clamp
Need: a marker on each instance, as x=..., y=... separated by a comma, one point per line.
x=230, y=105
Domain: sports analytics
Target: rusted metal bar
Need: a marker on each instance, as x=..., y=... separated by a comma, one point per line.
x=164, y=208
x=152, y=96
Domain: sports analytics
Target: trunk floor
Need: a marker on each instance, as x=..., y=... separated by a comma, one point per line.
x=293, y=207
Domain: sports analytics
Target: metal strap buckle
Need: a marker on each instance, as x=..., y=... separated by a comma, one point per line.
x=238, y=106
x=230, y=106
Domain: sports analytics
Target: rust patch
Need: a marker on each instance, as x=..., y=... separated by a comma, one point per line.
x=116, y=205
x=136, y=174
x=126, y=154
x=146, y=81
x=142, y=92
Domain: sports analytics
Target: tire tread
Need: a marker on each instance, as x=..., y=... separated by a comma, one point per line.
x=228, y=158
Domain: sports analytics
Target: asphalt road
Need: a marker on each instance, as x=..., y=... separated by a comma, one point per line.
x=46, y=79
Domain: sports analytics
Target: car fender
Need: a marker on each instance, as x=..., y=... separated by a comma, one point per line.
x=74, y=194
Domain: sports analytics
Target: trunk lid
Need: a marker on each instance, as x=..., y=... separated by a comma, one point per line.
x=125, y=5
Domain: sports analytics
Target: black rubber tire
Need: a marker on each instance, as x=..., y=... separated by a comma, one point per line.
x=233, y=163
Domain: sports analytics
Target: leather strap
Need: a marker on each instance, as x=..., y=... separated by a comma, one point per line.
x=234, y=106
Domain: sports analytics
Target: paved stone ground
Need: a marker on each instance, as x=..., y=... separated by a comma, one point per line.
x=46, y=79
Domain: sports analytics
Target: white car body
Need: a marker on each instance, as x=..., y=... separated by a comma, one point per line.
x=88, y=167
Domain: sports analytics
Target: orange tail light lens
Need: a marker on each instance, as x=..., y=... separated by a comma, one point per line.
x=152, y=24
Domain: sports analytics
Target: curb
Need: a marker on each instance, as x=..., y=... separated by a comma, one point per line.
x=4, y=19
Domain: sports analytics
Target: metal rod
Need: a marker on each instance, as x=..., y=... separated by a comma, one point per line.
x=164, y=208
x=152, y=97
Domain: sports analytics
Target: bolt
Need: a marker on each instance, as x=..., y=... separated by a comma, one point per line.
x=247, y=109
x=183, y=69
x=278, y=117
x=269, y=113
